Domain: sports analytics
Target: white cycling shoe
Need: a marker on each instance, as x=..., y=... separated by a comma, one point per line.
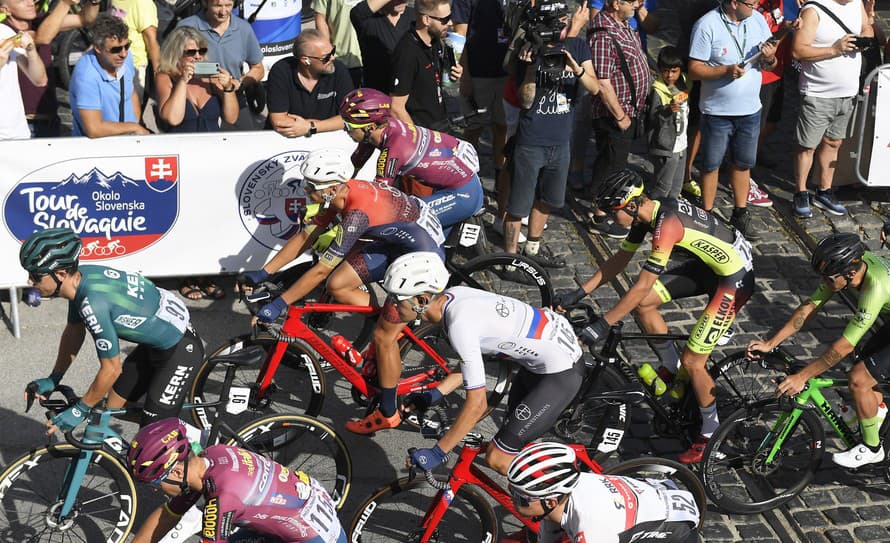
x=858, y=456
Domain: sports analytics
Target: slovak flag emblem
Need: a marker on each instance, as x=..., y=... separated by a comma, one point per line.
x=161, y=172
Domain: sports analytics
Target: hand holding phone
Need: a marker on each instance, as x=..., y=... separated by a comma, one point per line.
x=206, y=69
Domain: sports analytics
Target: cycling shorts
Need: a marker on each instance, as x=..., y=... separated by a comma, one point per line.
x=163, y=376
x=876, y=353
x=246, y=535
x=661, y=532
x=455, y=205
x=370, y=259
x=727, y=295
x=534, y=405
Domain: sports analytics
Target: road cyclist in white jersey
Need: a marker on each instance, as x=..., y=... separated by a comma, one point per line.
x=479, y=323
x=546, y=484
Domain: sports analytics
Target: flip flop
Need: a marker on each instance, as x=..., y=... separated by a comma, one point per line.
x=211, y=290
x=190, y=291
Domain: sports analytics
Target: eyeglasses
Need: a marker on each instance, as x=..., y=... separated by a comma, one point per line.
x=192, y=52
x=520, y=499
x=443, y=20
x=327, y=58
x=632, y=2
x=751, y=5
x=36, y=277
x=116, y=50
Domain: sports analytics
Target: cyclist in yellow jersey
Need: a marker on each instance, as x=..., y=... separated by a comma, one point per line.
x=721, y=268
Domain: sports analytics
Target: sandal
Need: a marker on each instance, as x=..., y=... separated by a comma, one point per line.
x=211, y=290
x=190, y=290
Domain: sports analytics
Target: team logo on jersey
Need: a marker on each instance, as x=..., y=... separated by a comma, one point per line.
x=211, y=517
x=118, y=205
x=129, y=321
x=717, y=253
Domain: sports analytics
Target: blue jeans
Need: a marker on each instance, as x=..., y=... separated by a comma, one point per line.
x=738, y=133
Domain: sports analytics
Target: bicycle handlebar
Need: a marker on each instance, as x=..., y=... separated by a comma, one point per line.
x=428, y=475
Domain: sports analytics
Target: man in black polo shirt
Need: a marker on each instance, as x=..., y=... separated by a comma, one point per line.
x=417, y=65
x=379, y=25
x=305, y=90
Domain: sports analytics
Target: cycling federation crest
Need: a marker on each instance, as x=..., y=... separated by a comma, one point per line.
x=271, y=198
x=117, y=205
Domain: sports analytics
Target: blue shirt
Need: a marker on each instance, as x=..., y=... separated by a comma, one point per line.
x=634, y=22
x=94, y=89
x=717, y=41
x=237, y=45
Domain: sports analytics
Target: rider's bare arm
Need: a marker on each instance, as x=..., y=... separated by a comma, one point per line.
x=294, y=247
x=801, y=316
x=69, y=346
x=156, y=526
x=471, y=411
x=633, y=297
x=612, y=267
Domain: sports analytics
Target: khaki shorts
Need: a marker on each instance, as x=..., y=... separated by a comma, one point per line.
x=819, y=117
x=488, y=92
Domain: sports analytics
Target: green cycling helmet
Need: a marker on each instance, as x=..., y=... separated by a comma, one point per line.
x=49, y=250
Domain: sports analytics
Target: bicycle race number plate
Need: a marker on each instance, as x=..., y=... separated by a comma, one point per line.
x=469, y=234
x=238, y=397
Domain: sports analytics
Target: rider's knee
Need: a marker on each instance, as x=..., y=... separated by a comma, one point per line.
x=861, y=378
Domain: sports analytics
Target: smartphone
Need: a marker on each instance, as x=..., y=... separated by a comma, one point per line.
x=864, y=43
x=206, y=69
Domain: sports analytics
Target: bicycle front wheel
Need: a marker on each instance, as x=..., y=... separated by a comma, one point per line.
x=737, y=472
x=395, y=513
x=104, y=509
x=508, y=274
x=301, y=444
x=742, y=381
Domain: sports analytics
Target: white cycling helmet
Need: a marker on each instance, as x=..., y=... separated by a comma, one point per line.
x=325, y=168
x=415, y=273
x=544, y=470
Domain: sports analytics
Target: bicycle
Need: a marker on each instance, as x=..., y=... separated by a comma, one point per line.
x=82, y=490
x=600, y=415
x=765, y=454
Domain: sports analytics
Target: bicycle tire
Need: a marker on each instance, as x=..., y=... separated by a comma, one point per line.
x=304, y=444
x=596, y=422
x=662, y=468
x=70, y=43
x=394, y=513
x=29, y=490
x=490, y=273
x=734, y=473
x=741, y=381
x=297, y=388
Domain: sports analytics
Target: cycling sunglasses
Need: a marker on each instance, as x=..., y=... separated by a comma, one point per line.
x=521, y=499
x=116, y=50
x=36, y=277
x=357, y=126
x=192, y=52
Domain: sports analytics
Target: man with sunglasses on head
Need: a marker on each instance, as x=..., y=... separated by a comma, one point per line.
x=721, y=267
x=103, y=97
x=305, y=90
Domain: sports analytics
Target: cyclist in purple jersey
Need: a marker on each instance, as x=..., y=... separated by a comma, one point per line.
x=261, y=499
x=446, y=164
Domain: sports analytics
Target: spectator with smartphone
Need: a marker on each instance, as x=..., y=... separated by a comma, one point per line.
x=41, y=105
x=17, y=50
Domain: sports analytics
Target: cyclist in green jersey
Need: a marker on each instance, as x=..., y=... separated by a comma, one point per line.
x=113, y=305
x=842, y=262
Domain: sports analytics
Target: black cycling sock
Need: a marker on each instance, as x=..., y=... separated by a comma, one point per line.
x=388, y=399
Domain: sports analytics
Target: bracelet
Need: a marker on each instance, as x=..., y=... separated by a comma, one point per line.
x=583, y=71
x=621, y=119
x=230, y=89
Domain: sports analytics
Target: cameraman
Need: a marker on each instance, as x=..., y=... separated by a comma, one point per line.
x=549, y=69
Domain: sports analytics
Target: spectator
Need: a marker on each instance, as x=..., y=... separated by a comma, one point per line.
x=829, y=81
x=17, y=50
x=305, y=90
x=541, y=155
x=666, y=118
x=621, y=66
x=418, y=64
x=141, y=18
x=332, y=19
x=380, y=25
x=723, y=55
x=102, y=93
x=232, y=44
x=645, y=20
x=41, y=105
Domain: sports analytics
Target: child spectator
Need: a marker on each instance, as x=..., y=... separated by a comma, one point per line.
x=667, y=115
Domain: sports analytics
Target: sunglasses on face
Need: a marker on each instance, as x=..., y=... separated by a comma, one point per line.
x=192, y=52
x=36, y=277
x=520, y=499
x=354, y=126
x=443, y=20
x=117, y=49
x=326, y=58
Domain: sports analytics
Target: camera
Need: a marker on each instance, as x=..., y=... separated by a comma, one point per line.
x=542, y=27
x=862, y=42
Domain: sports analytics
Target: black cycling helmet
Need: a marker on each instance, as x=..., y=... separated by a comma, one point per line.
x=837, y=254
x=49, y=250
x=618, y=189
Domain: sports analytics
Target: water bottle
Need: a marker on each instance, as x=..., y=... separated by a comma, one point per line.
x=197, y=437
x=346, y=350
x=678, y=387
x=652, y=380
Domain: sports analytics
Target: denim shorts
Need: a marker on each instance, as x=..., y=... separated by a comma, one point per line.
x=539, y=173
x=736, y=132
x=819, y=117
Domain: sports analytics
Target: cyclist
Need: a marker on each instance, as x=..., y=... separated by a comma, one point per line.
x=395, y=222
x=478, y=323
x=113, y=305
x=244, y=491
x=546, y=484
x=721, y=267
x=842, y=262
x=440, y=161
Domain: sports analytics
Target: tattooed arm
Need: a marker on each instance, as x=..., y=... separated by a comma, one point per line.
x=795, y=383
x=799, y=318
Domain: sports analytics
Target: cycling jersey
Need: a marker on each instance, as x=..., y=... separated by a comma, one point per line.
x=250, y=492
x=611, y=509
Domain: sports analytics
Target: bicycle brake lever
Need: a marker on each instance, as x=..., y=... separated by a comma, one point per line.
x=30, y=396
x=412, y=469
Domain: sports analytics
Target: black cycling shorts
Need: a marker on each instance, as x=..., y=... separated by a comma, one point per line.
x=164, y=377
x=661, y=532
x=876, y=353
x=534, y=405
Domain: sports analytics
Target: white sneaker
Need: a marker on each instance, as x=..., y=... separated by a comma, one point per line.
x=525, y=223
x=858, y=456
x=498, y=226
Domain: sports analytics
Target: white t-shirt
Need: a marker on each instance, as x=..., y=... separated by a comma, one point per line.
x=13, y=124
x=836, y=77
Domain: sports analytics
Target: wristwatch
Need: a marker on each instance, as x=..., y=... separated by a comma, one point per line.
x=312, y=129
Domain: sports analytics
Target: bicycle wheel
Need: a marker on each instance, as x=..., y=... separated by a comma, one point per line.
x=394, y=513
x=104, y=510
x=660, y=469
x=508, y=274
x=298, y=386
x=589, y=420
x=734, y=467
x=741, y=381
x=302, y=444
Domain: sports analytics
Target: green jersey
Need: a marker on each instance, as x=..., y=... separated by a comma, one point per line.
x=115, y=305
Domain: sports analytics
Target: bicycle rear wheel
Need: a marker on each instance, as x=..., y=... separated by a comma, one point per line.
x=742, y=381
x=302, y=444
x=394, y=513
x=298, y=386
x=104, y=510
x=734, y=467
x=508, y=274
